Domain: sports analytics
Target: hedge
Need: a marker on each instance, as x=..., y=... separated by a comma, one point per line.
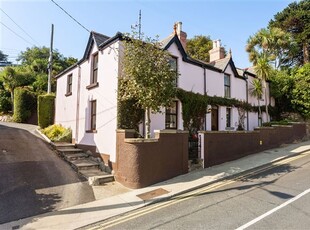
x=46, y=110
x=5, y=101
x=24, y=104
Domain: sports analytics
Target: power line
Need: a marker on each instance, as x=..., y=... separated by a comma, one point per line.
x=19, y=26
x=17, y=34
x=70, y=15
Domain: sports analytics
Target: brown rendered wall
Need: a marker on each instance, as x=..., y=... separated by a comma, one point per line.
x=220, y=147
x=140, y=163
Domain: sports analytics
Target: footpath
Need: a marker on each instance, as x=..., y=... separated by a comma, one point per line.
x=99, y=210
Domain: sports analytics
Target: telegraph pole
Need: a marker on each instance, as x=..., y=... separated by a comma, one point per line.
x=50, y=62
x=139, y=24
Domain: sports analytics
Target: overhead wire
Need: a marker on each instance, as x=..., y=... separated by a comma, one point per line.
x=17, y=34
x=70, y=16
x=20, y=27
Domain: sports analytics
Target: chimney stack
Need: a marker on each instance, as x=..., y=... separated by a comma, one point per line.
x=181, y=34
x=217, y=52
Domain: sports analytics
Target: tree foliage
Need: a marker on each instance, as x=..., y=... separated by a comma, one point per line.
x=301, y=91
x=275, y=43
x=199, y=47
x=256, y=90
x=147, y=76
x=295, y=19
x=3, y=57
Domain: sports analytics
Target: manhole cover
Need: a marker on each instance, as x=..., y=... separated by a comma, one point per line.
x=151, y=194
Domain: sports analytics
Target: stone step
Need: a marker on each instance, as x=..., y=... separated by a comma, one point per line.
x=75, y=156
x=66, y=151
x=84, y=164
x=63, y=145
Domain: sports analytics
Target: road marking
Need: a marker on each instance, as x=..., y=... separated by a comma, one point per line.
x=183, y=197
x=273, y=210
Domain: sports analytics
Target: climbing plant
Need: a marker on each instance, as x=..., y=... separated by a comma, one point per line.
x=195, y=107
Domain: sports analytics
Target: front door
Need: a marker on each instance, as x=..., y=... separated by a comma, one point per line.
x=214, y=118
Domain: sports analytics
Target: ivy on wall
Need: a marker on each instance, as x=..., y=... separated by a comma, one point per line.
x=195, y=106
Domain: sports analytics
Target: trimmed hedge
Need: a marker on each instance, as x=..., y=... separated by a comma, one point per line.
x=46, y=110
x=24, y=104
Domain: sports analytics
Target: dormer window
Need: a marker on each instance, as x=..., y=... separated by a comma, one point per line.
x=226, y=85
x=94, y=74
x=173, y=61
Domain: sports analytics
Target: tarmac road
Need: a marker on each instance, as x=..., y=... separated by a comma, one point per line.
x=33, y=179
x=272, y=197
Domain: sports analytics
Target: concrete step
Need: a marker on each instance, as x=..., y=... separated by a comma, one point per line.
x=84, y=164
x=96, y=177
x=75, y=156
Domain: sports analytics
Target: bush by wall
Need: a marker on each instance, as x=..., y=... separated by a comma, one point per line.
x=24, y=104
x=58, y=133
x=46, y=110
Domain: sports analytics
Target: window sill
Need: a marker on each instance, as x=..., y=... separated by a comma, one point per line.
x=68, y=94
x=91, y=131
x=93, y=85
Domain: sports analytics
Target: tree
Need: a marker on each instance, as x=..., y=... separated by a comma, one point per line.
x=263, y=70
x=3, y=57
x=295, y=19
x=256, y=90
x=13, y=77
x=281, y=88
x=146, y=76
x=36, y=59
x=199, y=47
x=301, y=92
x=276, y=43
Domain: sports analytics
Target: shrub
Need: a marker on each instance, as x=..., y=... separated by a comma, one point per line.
x=5, y=101
x=24, y=104
x=58, y=133
x=46, y=110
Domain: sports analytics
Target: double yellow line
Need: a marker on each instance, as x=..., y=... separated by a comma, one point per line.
x=186, y=196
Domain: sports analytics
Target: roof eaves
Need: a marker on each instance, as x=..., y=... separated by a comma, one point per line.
x=68, y=69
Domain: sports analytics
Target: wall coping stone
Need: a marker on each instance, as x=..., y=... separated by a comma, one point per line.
x=231, y=132
x=170, y=131
x=125, y=131
x=289, y=126
x=140, y=140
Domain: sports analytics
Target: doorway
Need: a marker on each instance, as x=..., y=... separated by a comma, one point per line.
x=214, y=118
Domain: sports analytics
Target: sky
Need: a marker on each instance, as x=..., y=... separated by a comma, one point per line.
x=231, y=21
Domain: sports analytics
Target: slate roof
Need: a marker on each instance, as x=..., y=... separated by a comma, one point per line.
x=221, y=63
x=99, y=38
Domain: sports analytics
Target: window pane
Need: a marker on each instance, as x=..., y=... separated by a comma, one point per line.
x=228, y=117
x=93, y=110
x=172, y=116
x=173, y=63
x=227, y=80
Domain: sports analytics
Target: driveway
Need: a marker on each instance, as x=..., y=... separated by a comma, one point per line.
x=33, y=179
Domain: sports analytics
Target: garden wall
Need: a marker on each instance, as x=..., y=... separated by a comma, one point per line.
x=141, y=162
x=223, y=146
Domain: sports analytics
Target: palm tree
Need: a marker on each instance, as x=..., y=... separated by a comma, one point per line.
x=274, y=41
x=263, y=70
x=257, y=91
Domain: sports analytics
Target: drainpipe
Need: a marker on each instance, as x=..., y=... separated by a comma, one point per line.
x=77, y=118
x=247, y=101
x=205, y=91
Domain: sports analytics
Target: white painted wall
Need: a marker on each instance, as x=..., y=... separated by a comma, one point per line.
x=106, y=96
x=65, y=106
